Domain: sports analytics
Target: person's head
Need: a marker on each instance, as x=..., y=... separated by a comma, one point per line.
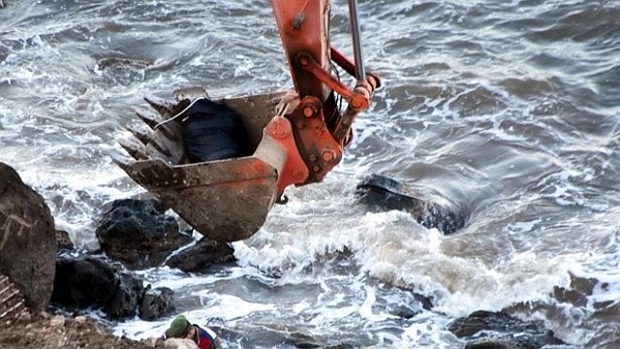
x=179, y=328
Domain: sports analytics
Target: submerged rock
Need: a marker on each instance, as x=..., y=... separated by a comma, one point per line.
x=499, y=330
x=27, y=239
x=139, y=234
x=380, y=193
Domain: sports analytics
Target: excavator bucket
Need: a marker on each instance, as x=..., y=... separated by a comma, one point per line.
x=295, y=137
x=225, y=200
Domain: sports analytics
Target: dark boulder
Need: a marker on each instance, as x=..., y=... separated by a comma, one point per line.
x=139, y=234
x=380, y=193
x=27, y=239
x=204, y=254
x=487, y=330
x=84, y=282
x=156, y=303
x=127, y=296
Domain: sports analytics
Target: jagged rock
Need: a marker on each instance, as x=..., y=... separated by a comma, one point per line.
x=138, y=233
x=156, y=303
x=27, y=239
x=502, y=331
x=577, y=293
x=63, y=242
x=380, y=193
x=127, y=297
x=201, y=256
x=84, y=282
x=91, y=282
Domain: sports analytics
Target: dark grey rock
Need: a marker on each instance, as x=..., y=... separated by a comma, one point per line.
x=84, y=282
x=139, y=234
x=201, y=256
x=499, y=330
x=63, y=242
x=127, y=297
x=27, y=239
x=156, y=303
x=380, y=193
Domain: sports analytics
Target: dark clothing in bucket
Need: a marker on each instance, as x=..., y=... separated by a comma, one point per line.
x=214, y=132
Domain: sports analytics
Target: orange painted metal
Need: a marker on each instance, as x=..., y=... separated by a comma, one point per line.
x=304, y=27
x=320, y=130
x=294, y=170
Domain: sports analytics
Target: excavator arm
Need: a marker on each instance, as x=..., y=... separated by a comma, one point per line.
x=297, y=136
x=320, y=130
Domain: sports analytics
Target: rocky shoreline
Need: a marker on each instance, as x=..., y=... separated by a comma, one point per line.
x=43, y=269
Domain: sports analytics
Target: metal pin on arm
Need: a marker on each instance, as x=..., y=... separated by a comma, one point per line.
x=360, y=73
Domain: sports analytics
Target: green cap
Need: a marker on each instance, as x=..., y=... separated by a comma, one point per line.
x=179, y=327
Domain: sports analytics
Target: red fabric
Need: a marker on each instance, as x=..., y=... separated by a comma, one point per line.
x=204, y=340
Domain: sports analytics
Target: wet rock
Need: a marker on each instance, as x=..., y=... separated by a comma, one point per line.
x=156, y=303
x=138, y=233
x=499, y=330
x=380, y=193
x=201, y=256
x=84, y=282
x=27, y=239
x=63, y=242
x=108, y=62
x=578, y=291
x=127, y=297
x=91, y=282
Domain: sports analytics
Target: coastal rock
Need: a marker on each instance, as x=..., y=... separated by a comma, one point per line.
x=380, y=193
x=499, y=330
x=90, y=282
x=127, y=297
x=84, y=282
x=27, y=239
x=201, y=256
x=138, y=233
x=156, y=303
x=63, y=242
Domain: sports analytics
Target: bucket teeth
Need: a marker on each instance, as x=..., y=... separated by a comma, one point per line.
x=135, y=150
x=140, y=133
x=121, y=160
x=149, y=119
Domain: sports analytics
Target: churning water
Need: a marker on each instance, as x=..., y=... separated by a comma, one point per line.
x=509, y=109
